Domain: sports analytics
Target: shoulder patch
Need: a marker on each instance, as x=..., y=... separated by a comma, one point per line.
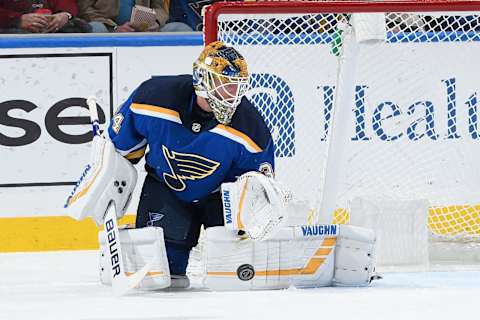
x=266, y=169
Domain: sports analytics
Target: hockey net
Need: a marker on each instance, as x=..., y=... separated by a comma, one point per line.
x=402, y=78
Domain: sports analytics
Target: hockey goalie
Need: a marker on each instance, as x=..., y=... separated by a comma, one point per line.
x=210, y=163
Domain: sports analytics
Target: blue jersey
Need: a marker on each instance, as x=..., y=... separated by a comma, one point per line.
x=189, y=150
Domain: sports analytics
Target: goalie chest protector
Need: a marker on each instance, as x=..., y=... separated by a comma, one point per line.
x=188, y=149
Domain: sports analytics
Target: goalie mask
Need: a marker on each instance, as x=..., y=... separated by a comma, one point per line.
x=220, y=76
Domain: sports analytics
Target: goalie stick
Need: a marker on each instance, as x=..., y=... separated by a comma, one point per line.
x=121, y=283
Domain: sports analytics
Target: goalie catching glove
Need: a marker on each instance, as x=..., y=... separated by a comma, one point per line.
x=255, y=204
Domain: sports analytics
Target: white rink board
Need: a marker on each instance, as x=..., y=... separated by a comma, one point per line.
x=45, y=76
x=48, y=160
x=44, y=82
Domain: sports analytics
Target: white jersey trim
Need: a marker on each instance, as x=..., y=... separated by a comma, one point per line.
x=138, y=146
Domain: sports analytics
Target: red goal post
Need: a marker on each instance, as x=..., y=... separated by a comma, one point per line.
x=213, y=11
x=373, y=105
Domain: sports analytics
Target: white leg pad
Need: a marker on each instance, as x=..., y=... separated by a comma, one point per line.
x=302, y=256
x=355, y=256
x=139, y=247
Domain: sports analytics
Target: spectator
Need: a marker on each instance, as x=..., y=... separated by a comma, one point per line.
x=449, y=23
x=114, y=15
x=38, y=16
x=188, y=12
x=404, y=22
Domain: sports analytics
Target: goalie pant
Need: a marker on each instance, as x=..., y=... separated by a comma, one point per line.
x=303, y=256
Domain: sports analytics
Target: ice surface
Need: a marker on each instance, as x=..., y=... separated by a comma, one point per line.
x=64, y=285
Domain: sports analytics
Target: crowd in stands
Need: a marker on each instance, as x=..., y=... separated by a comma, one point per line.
x=100, y=16
x=105, y=16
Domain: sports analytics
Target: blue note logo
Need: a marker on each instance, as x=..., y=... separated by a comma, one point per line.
x=154, y=217
x=186, y=166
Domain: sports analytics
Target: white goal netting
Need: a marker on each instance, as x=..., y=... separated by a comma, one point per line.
x=407, y=129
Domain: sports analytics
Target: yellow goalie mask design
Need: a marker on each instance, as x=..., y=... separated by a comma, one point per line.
x=220, y=76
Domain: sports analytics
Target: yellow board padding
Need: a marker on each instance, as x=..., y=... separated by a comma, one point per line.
x=448, y=221
x=52, y=233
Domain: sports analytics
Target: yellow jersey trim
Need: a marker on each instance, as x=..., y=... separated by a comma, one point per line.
x=237, y=136
x=155, y=111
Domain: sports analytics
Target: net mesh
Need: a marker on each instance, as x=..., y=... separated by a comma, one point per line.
x=413, y=130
